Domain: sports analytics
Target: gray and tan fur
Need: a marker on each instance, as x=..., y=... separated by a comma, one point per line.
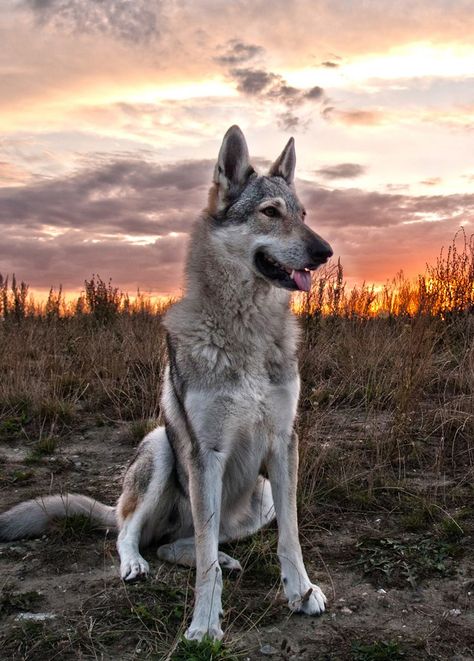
x=229, y=398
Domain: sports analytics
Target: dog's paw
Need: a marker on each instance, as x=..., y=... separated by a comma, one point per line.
x=311, y=602
x=229, y=563
x=133, y=568
x=197, y=633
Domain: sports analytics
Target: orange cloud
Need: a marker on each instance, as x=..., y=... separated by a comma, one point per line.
x=355, y=117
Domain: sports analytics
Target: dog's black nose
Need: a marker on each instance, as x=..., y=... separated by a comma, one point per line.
x=320, y=251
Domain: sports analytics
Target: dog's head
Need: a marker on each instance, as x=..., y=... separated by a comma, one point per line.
x=260, y=220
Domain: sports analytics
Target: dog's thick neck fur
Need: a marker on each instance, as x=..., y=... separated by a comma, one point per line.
x=228, y=310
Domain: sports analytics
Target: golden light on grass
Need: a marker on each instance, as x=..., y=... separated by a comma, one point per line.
x=446, y=287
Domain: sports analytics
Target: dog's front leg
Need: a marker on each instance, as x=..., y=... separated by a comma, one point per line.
x=303, y=596
x=205, y=482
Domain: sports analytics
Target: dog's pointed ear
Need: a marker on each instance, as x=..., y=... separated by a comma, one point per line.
x=285, y=164
x=232, y=169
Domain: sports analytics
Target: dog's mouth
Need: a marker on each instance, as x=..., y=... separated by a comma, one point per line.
x=281, y=275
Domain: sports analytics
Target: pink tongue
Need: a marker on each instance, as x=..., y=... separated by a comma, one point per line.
x=302, y=279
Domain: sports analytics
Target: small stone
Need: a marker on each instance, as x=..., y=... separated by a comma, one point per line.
x=268, y=650
x=346, y=611
x=381, y=591
x=454, y=611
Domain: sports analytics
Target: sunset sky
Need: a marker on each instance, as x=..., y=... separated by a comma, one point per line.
x=112, y=114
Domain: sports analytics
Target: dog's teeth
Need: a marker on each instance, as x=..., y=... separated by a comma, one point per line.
x=292, y=273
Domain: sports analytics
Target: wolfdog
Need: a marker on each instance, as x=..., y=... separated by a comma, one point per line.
x=229, y=397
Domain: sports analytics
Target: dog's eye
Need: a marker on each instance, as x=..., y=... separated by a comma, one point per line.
x=271, y=212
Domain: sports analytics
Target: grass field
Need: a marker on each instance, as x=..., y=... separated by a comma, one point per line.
x=386, y=495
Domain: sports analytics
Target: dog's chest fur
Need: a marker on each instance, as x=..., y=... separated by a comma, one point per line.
x=235, y=345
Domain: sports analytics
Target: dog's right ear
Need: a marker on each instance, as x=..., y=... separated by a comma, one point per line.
x=232, y=170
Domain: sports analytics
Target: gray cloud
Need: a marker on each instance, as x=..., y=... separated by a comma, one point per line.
x=238, y=52
x=356, y=208
x=342, y=171
x=71, y=258
x=65, y=229
x=122, y=196
x=253, y=81
x=328, y=64
x=267, y=86
x=288, y=121
x=314, y=94
x=273, y=87
x=135, y=22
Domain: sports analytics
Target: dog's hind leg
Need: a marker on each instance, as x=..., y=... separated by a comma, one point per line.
x=145, y=502
x=251, y=516
x=245, y=521
x=183, y=552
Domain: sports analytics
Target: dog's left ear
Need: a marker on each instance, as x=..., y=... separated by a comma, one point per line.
x=232, y=170
x=284, y=166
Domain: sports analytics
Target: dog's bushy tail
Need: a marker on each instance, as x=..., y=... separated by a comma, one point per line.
x=32, y=517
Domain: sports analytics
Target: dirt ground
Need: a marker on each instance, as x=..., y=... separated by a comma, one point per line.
x=61, y=597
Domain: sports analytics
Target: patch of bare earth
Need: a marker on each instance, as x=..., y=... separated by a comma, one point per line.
x=61, y=597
